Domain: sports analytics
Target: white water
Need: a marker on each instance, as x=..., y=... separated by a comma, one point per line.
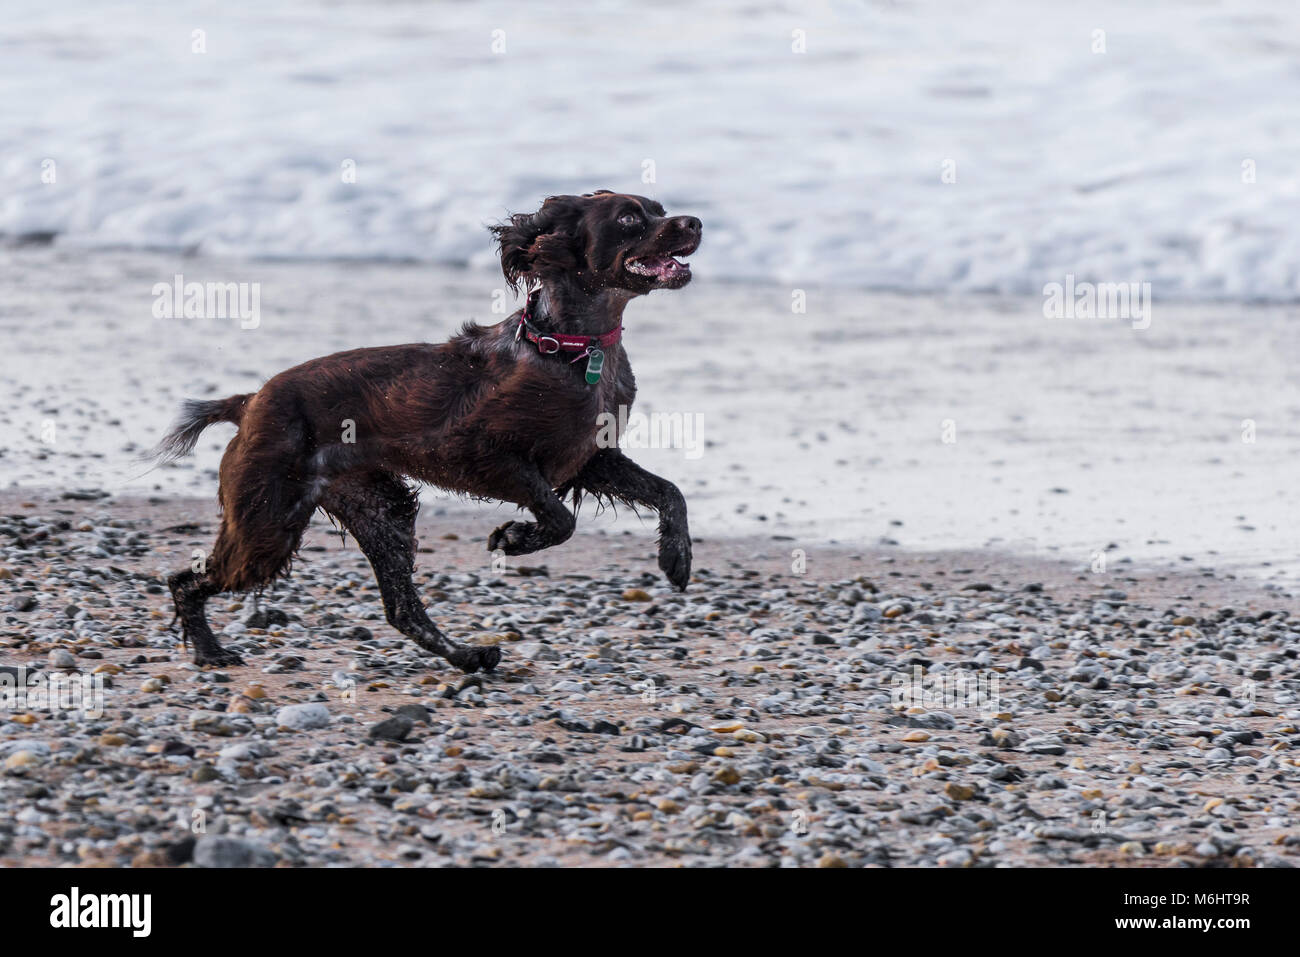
x=820, y=167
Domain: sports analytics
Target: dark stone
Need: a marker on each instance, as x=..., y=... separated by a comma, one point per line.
x=416, y=712
x=266, y=618
x=182, y=852
x=675, y=725
x=395, y=728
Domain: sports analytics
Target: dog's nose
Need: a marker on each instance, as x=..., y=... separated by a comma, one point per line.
x=688, y=223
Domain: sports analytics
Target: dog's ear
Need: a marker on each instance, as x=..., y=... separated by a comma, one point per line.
x=541, y=243
x=514, y=238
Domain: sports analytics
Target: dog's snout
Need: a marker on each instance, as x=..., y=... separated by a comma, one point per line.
x=689, y=223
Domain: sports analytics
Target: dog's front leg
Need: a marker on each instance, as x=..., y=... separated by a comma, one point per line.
x=612, y=474
x=554, y=522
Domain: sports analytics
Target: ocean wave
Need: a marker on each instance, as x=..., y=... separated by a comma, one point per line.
x=937, y=147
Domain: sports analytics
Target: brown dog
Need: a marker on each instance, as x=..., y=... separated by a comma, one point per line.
x=506, y=412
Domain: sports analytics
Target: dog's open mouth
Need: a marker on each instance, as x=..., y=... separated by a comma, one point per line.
x=659, y=268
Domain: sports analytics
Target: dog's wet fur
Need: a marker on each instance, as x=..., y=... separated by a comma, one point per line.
x=484, y=414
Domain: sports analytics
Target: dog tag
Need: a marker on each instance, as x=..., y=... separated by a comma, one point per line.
x=595, y=362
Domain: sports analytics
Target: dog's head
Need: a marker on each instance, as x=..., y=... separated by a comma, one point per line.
x=599, y=241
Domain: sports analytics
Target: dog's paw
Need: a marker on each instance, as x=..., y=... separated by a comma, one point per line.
x=675, y=560
x=513, y=538
x=472, y=658
x=221, y=657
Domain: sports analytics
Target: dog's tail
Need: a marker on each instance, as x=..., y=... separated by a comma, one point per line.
x=196, y=415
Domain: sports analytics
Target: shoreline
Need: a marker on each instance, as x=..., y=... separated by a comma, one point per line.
x=773, y=553
x=892, y=422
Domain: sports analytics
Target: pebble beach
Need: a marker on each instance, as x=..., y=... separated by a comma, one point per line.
x=1139, y=718
x=981, y=389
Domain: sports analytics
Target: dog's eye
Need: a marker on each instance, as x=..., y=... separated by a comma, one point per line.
x=630, y=220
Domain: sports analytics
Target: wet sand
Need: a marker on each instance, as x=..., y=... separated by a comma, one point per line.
x=932, y=422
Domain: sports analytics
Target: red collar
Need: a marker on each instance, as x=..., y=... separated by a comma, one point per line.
x=550, y=342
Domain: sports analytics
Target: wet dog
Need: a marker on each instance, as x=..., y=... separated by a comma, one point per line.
x=507, y=412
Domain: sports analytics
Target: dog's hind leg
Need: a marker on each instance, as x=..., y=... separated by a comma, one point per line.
x=379, y=510
x=190, y=592
x=245, y=557
x=611, y=474
x=261, y=528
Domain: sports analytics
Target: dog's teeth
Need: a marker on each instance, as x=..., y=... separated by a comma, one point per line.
x=659, y=267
